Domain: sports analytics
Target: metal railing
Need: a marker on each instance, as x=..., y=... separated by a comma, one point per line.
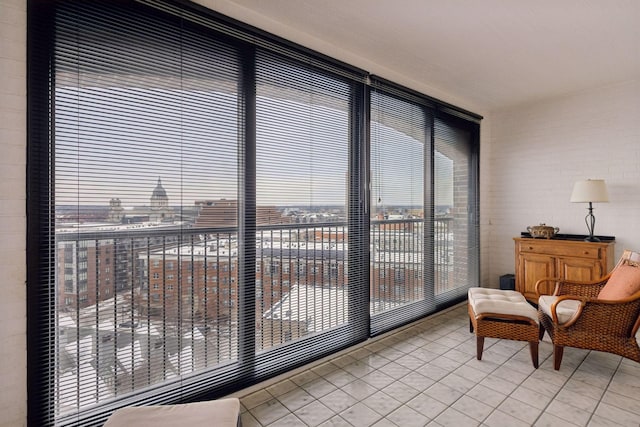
x=136, y=307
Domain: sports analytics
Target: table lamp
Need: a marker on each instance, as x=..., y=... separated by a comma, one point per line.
x=590, y=191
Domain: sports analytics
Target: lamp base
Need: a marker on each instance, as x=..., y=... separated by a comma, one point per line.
x=592, y=239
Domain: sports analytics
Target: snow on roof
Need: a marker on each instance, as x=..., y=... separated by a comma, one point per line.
x=81, y=388
x=196, y=335
x=319, y=307
x=82, y=350
x=130, y=357
x=89, y=227
x=182, y=362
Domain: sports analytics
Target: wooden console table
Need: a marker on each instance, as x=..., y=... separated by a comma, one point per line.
x=563, y=258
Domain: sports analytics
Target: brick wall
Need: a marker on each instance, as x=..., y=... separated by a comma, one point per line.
x=536, y=152
x=13, y=394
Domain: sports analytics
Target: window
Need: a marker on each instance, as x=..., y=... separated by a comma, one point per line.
x=456, y=238
x=302, y=268
x=176, y=116
x=273, y=268
x=412, y=140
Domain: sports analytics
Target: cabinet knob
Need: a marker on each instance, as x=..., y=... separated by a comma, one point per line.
x=530, y=248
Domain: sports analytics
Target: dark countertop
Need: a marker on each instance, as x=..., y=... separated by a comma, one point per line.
x=577, y=237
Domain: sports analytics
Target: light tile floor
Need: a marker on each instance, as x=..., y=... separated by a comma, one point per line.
x=427, y=375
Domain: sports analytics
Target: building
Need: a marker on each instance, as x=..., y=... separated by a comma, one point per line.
x=224, y=213
x=96, y=267
x=159, y=210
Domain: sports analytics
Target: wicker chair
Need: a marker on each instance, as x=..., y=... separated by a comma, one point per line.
x=575, y=317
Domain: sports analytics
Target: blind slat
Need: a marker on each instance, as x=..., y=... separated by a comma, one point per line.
x=198, y=207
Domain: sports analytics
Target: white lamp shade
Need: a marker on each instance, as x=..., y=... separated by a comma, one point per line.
x=590, y=190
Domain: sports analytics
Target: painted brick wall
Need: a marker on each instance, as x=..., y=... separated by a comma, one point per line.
x=535, y=154
x=13, y=395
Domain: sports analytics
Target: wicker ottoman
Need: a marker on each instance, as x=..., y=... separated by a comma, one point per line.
x=503, y=314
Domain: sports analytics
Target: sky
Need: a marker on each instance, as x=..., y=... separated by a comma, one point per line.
x=116, y=142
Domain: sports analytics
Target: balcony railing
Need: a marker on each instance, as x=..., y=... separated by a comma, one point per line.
x=137, y=307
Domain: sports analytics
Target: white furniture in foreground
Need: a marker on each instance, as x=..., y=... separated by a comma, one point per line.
x=215, y=413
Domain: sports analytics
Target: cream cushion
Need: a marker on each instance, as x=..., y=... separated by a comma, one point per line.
x=565, y=309
x=498, y=301
x=218, y=413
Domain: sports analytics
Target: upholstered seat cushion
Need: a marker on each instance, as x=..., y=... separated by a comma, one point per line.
x=565, y=309
x=218, y=413
x=497, y=301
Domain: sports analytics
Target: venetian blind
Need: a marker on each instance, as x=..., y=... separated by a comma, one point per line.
x=146, y=113
x=199, y=217
x=401, y=208
x=159, y=218
x=456, y=195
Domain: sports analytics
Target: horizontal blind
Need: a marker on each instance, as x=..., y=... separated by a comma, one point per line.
x=207, y=18
x=198, y=218
x=457, y=266
x=146, y=183
x=303, y=143
x=401, y=240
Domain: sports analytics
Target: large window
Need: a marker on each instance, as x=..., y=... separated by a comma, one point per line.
x=301, y=172
x=211, y=206
x=401, y=247
x=424, y=237
x=456, y=231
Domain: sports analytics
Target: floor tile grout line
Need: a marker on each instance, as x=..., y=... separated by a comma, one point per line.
x=415, y=338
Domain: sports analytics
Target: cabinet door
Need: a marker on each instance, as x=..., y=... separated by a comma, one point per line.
x=532, y=268
x=579, y=269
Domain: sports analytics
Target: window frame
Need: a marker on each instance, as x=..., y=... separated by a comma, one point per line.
x=41, y=300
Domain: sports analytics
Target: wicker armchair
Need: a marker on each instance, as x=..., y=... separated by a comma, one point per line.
x=574, y=316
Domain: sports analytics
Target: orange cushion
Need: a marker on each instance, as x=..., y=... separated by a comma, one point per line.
x=624, y=282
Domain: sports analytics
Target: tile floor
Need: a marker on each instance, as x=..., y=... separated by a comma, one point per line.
x=427, y=375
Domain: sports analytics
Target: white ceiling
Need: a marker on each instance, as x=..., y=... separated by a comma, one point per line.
x=490, y=53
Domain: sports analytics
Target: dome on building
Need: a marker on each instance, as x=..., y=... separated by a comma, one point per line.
x=159, y=193
x=160, y=210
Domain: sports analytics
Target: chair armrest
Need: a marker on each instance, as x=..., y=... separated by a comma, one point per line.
x=576, y=315
x=572, y=287
x=545, y=280
x=598, y=316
